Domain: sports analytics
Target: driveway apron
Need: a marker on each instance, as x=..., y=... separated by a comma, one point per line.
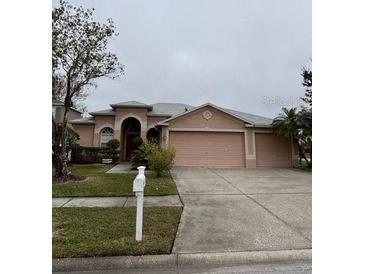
x=235, y=209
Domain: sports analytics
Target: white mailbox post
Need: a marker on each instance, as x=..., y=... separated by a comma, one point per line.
x=138, y=187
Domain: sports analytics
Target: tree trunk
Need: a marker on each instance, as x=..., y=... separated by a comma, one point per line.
x=60, y=150
x=302, y=155
x=60, y=153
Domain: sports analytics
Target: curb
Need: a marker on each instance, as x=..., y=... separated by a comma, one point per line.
x=180, y=261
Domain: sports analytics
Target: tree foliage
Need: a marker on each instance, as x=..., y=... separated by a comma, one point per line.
x=296, y=124
x=307, y=83
x=79, y=57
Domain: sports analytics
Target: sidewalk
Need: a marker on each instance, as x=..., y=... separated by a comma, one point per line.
x=124, y=167
x=149, y=201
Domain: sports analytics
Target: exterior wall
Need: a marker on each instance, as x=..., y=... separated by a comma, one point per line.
x=100, y=123
x=250, y=148
x=164, y=141
x=152, y=121
x=195, y=119
x=123, y=113
x=86, y=133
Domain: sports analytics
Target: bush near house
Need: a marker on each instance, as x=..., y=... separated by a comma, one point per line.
x=160, y=160
x=113, y=145
x=92, y=155
x=156, y=158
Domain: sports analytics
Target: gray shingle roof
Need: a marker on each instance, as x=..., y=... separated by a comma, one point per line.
x=168, y=109
x=172, y=109
x=131, y=104
x=255, y=119
x=84, y=120
x=104, y=112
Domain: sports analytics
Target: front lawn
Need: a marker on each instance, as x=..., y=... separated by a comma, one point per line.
x=84, y=232
x=101, y=184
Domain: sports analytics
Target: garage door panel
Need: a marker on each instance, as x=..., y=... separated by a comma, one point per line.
x=208, y=148
x=272, y=151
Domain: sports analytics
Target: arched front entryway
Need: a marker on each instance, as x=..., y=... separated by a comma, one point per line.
x=153, y=135
x=130, y=129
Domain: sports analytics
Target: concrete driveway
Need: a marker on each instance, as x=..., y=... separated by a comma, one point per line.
x=235, y=209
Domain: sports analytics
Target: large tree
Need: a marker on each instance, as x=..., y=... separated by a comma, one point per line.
x=79, y=57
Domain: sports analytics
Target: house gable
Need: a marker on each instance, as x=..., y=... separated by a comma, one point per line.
x=207, y=117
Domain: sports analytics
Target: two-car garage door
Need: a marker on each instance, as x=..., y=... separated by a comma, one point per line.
x=224, y=149
x=208, y=148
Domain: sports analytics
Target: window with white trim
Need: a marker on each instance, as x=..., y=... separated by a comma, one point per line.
x=106, y=135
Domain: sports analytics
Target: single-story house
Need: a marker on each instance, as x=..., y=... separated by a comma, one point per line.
x=206, y=135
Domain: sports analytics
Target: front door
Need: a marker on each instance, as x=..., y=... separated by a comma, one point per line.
x=129, y=145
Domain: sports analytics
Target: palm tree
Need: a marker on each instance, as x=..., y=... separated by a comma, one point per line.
x=290, y=124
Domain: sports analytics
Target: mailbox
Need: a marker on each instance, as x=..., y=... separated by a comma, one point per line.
x=138, y=184
x=138, y=187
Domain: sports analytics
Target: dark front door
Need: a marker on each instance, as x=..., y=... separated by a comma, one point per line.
x=129, y=145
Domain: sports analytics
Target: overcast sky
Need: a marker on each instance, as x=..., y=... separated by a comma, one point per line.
x=245, y=54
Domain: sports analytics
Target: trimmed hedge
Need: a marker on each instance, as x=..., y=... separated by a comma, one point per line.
x=92, y=155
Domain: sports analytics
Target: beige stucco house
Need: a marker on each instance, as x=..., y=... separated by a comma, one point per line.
x=206, y=135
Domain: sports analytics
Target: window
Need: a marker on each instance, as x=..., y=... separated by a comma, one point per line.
x=105, y=136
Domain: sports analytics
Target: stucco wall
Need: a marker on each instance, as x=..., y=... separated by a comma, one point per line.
x=152, y=121
x=195, y=119
x=100, y=123
x=86, y=133
x=121, y=114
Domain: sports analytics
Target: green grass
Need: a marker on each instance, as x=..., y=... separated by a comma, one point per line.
x=101, y=184
x=85, y=232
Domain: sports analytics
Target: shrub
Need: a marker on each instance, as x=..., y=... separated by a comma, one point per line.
x=91, y=155
x=139, y=157
x=137, y=142
x=160, y=160
x=113, y=144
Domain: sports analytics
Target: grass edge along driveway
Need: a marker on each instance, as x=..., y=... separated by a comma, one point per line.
x=101, y=184
x=85, y=232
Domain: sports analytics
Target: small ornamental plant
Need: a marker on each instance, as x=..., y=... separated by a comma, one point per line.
x=113, y=145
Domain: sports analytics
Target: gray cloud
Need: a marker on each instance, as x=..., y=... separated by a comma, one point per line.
x=244, y=55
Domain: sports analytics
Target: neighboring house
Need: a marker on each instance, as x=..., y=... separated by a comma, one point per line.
x=206, y=135
x=58, y=111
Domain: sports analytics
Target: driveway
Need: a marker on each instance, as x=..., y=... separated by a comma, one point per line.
x=234, y=209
